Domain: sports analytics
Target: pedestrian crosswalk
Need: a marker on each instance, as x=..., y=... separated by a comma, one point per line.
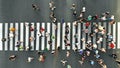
x=41, y=36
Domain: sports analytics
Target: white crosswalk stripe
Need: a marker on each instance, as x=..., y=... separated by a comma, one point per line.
x=118, y=38
x=63, y=34
x=26, y=35
x=84, y=36
x=43, y=38
x=37, y=36
x=11, y=39
x=1, y=33
x=114, y=32
x=16, y=32
x=58, y=34
x=6, y=36
x=53, y=35
x=32, y=35
x=23, y=34
x=73, y=38
x=48, y=38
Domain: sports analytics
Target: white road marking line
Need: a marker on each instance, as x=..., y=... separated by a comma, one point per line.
x=114, y=32
x=58, y=34
x=43, y=38
x=48, y=38
x=37, y=36
x=27, y=35
x=63, y=34
x=32, y=35
x=1, y=33
x=53, y=33
x=118, y=37
x=16, y=32
x=11, y=39
x=73, y=38
x=6, y=36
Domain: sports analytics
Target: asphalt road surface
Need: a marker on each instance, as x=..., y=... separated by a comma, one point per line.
x=21, y=10
x=53, y=61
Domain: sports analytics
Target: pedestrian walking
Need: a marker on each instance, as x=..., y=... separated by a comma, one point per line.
x=3, y=39
x=92, y=62
x=29, y=59
x=69, y=66
x=83, y=9
x=35, y=7
x=41, y=58
x=67, y=54
x=81, y=62
x=12, y=57
x=103, y=65
x=63, y=62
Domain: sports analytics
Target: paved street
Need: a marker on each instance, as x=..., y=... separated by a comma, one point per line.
x=52, y=61
x=24, y=25
x=21, y=10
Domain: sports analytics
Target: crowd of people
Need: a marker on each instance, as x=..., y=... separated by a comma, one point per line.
x=91, y=47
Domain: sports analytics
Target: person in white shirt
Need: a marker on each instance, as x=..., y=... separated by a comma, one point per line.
x=30, y=59
x=95, y=46
x=11, y=35
x=83, y=9
x=51, y=5
x=67, y=54
x=112, y=17
x=63, y=62
x=73, y=7
x=103, y=18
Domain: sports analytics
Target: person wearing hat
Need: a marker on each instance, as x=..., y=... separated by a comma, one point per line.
x=12, y=29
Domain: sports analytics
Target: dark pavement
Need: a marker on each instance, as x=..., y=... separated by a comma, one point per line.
x=21, y=10
x=53, y=61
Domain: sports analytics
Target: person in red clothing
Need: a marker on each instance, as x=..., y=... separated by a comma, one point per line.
x=31, y=29
x=112, y=45
x=42, y=29
x=87, y=24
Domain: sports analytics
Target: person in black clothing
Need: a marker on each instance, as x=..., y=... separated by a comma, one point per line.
x=74, y=13
x=3, y=39
x=35, y=7
x=67, y=31
x=66, y=37
x=114, y=56
x=50, y=42
x=12, y=57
